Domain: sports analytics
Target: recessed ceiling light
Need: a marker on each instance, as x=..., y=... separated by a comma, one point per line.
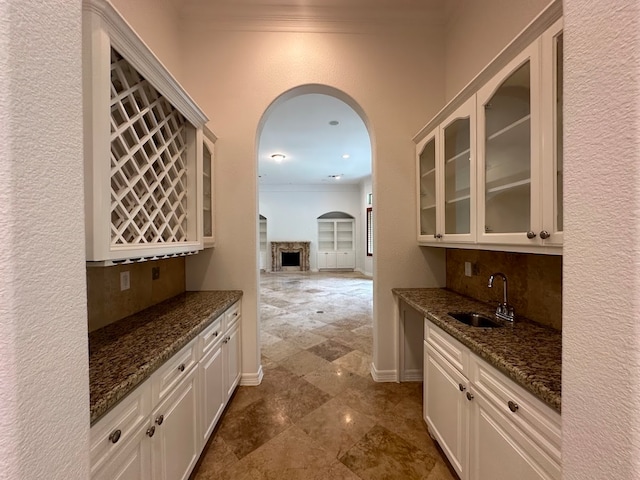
x=345, y=156
x=334, y=122
x=278, y=157
x=336, y=177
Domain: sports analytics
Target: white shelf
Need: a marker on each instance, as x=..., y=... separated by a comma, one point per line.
x=508, y=186
x=426, y=174
x=459, y=199
x=428, y=207
x=506, y=129
x=461, y=154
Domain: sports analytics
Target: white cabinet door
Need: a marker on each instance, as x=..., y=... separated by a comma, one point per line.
x=213, y=392
x=501, y=451
x=232, y=359
x=327, y=260
x=133, y=461
x=176, y=443
x=446, y=408
x=345, y=260
x=509, y=141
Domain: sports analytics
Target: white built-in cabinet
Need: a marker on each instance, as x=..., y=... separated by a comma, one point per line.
x=446, y=180
x=262, y=241
x=490, y=171
x=159, y=430
x=336, y=243
x=142, y=147
x=208, y=189
x=487, y=426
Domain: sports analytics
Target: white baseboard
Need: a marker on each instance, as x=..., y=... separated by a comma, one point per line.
x=252, y=379
x=413, y=376
x=383, y=375
x=366, y=274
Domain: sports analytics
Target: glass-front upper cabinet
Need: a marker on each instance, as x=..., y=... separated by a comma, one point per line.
x=427, y=188
x=208, y=206
x=552, y=81
x=446, y=175
x=509, y=177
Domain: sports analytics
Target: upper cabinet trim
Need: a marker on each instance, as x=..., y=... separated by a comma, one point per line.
x=551, y=14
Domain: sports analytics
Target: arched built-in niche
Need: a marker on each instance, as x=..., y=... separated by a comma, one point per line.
x=262, y=241
x=336, y=241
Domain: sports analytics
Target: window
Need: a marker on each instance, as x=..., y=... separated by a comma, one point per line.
x=369, y=232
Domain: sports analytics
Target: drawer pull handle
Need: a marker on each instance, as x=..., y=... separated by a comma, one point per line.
x=469, y=396
x=513, y=406
x=115, y=436
x=462, y=387
x=151, y=430
x=214, y=334
x=225, y=340
x=160, y=419
x=181, y=367
x=235, y=314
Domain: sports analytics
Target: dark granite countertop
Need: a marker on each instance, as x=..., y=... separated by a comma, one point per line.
x=125, y=353
x=527, y=352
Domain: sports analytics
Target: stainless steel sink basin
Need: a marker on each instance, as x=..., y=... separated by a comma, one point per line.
x=475, y=319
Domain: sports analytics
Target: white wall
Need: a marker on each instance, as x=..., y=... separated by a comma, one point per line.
x=156, y=22
x=364, y=263
x=477, y=31
x=396, y=80
x=44, y=381
x=601, y=293
x=292, y=212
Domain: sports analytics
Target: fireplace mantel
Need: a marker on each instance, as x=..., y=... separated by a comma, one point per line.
x=289, y=247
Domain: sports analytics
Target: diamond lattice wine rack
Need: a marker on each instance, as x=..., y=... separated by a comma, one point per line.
x=143, y=148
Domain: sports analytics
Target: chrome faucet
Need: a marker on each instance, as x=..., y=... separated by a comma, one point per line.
x=504, y=310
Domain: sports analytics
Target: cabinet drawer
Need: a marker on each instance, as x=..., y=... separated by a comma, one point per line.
x=173, y=371
x=211, y=335
x=540, y=422
x=232, y=314
x=447, y=346
x=115, y=429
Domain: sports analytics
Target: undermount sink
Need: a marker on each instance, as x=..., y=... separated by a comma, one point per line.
x=475, y=319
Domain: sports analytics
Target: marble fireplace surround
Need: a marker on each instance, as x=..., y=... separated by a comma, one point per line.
x=289, y=247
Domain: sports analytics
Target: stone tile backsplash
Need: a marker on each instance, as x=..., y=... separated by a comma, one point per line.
x=107, y=304
x=535, y=281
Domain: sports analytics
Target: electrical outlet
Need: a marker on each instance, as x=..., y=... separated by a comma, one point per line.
x=155, y=273
x=125, y=281
x=467, y=269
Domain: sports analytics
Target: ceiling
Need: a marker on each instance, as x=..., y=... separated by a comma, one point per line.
x=299, y=128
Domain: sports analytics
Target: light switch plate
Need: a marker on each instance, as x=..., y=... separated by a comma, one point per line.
x=467, y=269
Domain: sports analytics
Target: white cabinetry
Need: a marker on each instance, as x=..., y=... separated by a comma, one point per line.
x=488, y=426
x=509, y=195
x=446, y=179
x=143, y=147
x=262, y=230
x=208, y=188
x=336, y=243
x=159, y=430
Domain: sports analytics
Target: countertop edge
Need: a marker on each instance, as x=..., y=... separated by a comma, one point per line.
x=540, y=391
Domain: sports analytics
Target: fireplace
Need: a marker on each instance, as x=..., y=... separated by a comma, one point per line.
x=290, y=256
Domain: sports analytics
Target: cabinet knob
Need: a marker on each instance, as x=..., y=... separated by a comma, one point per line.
x=531, y=234
x=159, y=420
x=225, y=340
x=437, y=235
x=513, y=406
x=181, y=367
x=462, y=387
x=215, y=334
x=115, y=436
x=469, y=396
x=544, y=234
x=151, y=430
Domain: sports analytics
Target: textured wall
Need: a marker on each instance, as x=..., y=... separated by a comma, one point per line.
x=235, y=76
x=534, y=281
x=106, y=303
x=601, y=334
x=477, y=31
x=44, y=384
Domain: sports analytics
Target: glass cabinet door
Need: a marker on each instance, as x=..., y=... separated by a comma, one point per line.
x=509, y=115
x=427, y=186
x=458, y=164
x=207, y=202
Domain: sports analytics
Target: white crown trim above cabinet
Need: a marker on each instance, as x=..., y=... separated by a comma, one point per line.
x=143, y=147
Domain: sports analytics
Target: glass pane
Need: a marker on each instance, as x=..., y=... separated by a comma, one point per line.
x=559, y=137
x=508, y=155
x=457, y=157
x=428, y=189
x=207, y=224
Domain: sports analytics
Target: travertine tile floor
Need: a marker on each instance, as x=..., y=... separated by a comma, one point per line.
x=318, y=414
